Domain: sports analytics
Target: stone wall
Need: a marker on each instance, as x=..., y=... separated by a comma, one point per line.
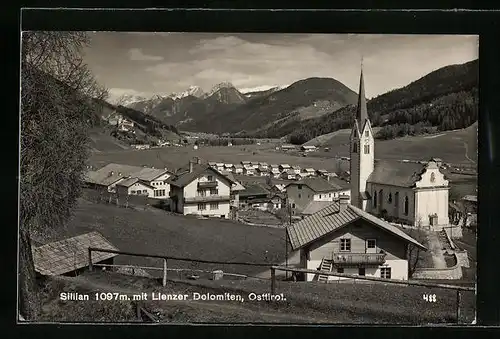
x=451, y=273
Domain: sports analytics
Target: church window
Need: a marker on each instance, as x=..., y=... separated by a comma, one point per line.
x=355, y=148
x=367, y=134
x=389, y=199
x=367, y=149
x=396, y=200
x=381, y=197
x=433, y=177
x=375, y=199
x=406, y=205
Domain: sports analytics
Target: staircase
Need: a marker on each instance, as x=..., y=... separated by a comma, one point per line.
x=326, y=265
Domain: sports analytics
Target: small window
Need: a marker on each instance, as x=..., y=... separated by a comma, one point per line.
x=144, y=191
x=375, y=199
x=293, y=205
x=389, y=198
x=132, y=192
x=214, y=205
x=361, y=271
x=371, y=243
x=355, y=148
x=406, y=206
x=433, y=177
x=345, y=245
x=202, y=206
x=367, y=149
x=214, y=191
x=367, y=134
x=385, y=272
x=210, y=178
x=300, y=195
x=329, y=195
x=299, y=186
x=202, y=193
x=320, y=196
x=340, y=270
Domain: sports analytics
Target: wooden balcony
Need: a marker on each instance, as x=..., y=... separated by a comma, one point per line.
x=347, y=258
x=207, y=184
x=208, y=198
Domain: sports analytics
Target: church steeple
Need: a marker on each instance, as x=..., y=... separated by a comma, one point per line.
x=361, y=110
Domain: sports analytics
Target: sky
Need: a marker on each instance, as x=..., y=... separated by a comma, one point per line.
x=147, y=64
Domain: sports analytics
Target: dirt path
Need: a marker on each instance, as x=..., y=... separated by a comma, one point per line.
x=435, y=248
x=92, y=282
x=466, y=153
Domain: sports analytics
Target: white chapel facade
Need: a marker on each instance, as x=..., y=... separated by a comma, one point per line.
x=415, y=194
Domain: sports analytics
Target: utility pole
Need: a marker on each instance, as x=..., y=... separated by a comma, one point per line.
x=286, y=238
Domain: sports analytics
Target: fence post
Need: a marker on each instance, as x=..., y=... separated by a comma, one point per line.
x=164, y=272
x=458, y=306
x=273, y=280
x=90, y=259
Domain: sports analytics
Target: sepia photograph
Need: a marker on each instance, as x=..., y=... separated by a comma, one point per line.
x=235, y=178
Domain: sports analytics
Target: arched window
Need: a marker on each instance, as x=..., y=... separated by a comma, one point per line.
x=396, y=200
x=375, y=199
x=389, y=199
x=381, y=197
x=355, y=148
x=406, y=205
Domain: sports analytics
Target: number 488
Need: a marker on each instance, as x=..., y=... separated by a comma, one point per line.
x=429, y=297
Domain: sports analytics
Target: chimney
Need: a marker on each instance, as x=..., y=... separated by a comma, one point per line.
x=343, y=202
x=190, y=167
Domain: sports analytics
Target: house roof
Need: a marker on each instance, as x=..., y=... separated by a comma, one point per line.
x=315, y=206
x=285, y=165
x=400, y=174
x=296, y=167
x=338, y=183
x=471, y=198
x=185, y=178
x=238, y=166
x=331, y=219
x=131, y=181
x=103, y=176
x=254, y=189
x=236, y=186
x=320, y=184
x=310, y=146
x=70, y=254
x=309, y=169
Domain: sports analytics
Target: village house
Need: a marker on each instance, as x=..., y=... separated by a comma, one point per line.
x=254, y=164
x=252, y=193
x=296, y=169
x=237, y=169
x=284, y=167
x=308, y=148
x=263, y=165
x=308, y=172
x=134, y=186
x=321, y=173
x=288, y=174
x=248, y=170
x=410, y=193
x=275, y=171
x=245, y=163
x=110, y=175
x=262, y=171
x=125, y=125
x=140, y=146
x=212, y=164
x=269, y=203
x=345, y=239
x=228, y=167
x=302, y=193
x=70, y=257
x=286, y=148
x=200, y=190
x=219, y=166
x=236, y=188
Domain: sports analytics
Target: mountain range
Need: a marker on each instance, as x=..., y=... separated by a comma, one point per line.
x=313, y=106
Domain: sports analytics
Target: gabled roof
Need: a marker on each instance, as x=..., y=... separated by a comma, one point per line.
x=103, y=176
x=236, y=186
x=400, y=174
x=285, y=165
x=319, y=185
x=315, y=206
x=70, y=254
x=331, y=219
x=131, y=181
x=254, y=189
x=308, y=146
x=183, y=179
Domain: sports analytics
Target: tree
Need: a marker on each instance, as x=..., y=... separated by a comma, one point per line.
x=57, y=108
x=415, y=254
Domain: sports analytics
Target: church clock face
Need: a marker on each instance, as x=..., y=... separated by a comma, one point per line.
x=367, y=141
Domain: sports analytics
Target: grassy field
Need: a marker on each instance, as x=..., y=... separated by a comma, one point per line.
x=155, y=231
x=360, y=303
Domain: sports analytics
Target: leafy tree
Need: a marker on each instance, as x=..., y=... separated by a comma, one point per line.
x=56, y=111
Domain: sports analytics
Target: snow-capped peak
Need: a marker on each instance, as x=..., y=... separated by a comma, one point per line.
x=127, y=99
x=218, y=87
x=195, y=91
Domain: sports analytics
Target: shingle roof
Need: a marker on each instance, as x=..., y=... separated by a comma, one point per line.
x=129, y=182
x=330, y=219
x=103, y=176
x=338, y=183
x=315, y=206
x=181, y=179
x=254, y=189
x=319, y=184
x=70, y=254
x=396, y=173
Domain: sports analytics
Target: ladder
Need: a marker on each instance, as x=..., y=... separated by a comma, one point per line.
x=326, y=265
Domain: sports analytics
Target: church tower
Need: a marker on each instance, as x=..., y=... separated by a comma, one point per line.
x=362, y=151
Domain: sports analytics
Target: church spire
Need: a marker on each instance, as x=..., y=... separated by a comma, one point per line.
x=361, y=111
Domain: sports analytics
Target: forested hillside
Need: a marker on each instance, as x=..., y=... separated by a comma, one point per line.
x=444, y=99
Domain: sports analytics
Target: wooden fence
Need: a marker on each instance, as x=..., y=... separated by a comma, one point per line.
x=459, y=289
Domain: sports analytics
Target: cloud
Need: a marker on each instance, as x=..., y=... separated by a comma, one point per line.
x=136, y=54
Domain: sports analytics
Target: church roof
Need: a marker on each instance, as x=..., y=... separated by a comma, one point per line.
x=331, y=218
x=396, y=173
x=361, y=110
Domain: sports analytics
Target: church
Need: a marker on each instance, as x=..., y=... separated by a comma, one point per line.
x=408, y=193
